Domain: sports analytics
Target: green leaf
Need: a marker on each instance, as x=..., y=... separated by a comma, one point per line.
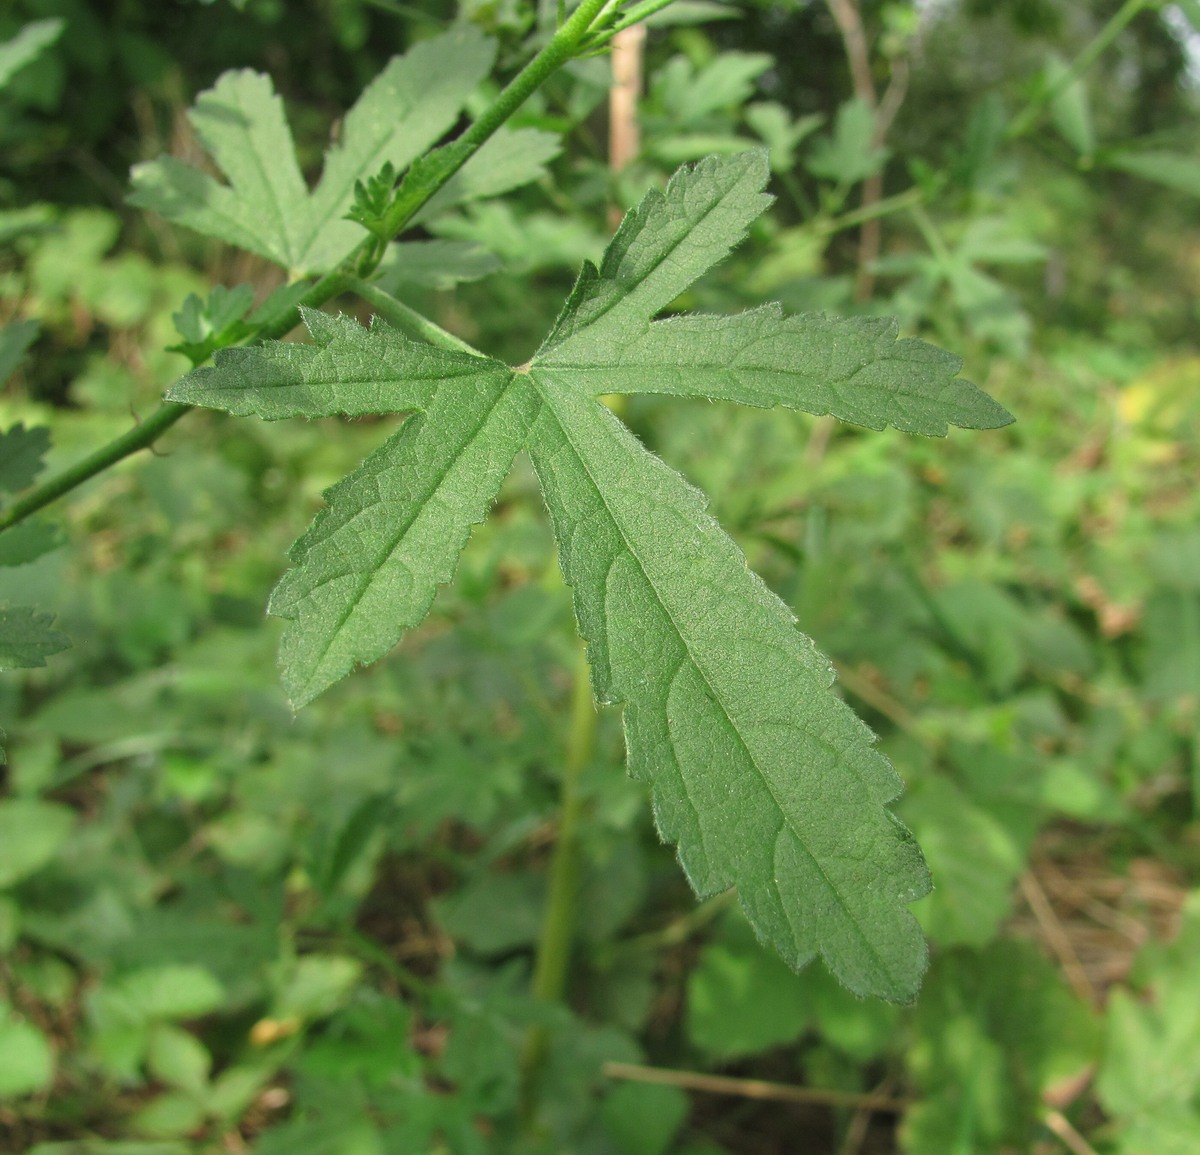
x=849, y=154
x=14, y=340
x=26, y=1060
x=643, y=1118
x=854, y=369
x=495, y=913
x=31, y=833
x=266, y=207
x=1172, y=169
x=27, y=541
x=370, y=565
x=316, y=986
x=27, y=45
x=765, y=780
x=993, y=1031
x=974, y=858
x=509, y=159
x=662, y=246
x=168, y=992
x=742, y=1000
x=435, y=264
x=102, y=1147
x=27, y=638
x=21, y=453
x=178, y=1058
x=1150, y=1077
x=1070, y=109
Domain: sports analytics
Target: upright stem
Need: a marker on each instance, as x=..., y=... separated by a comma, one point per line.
x=558, y=921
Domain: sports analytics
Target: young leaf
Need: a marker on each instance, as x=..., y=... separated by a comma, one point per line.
x=765, y=779
x=266, y=207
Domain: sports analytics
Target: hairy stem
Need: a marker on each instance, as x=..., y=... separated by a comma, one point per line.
x=141, y=436
x=147, y=432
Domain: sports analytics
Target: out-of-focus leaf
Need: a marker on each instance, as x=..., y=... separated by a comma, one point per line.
x=27, y=638
x=21, y=453
x=1070, y=109
x=27, y=45
x=1173, y=169
x=1149, y=1080
x=15, y=338
x=31, y=833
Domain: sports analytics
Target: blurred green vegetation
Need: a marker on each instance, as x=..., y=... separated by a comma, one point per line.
x=225, y=928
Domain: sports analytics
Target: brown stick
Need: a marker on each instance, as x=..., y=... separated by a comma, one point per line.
x=1057, y=1122
x=753, y=1088
x=624, y=137
x=1056, y=937
x=870, y=238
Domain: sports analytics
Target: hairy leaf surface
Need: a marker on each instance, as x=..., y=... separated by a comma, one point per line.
x=764, y=778
x=369, y=566
x=854, y=369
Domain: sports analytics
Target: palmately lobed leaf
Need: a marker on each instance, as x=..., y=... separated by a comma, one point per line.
x=761, y=775
x=264, y=205
x=28, y=637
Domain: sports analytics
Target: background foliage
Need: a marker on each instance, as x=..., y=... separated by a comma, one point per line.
x=225, y=928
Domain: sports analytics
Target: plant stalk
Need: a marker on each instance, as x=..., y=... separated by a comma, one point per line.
x=405, y=318
x=554, y=944
x=563, y=46
x=145, y=433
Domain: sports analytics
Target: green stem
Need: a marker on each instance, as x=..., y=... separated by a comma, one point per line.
x=145, y=433
x=563, y=46
x=634, y=15
x=554, y=943
x=141, y=436
x=1032, y=112
x=881, y=208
